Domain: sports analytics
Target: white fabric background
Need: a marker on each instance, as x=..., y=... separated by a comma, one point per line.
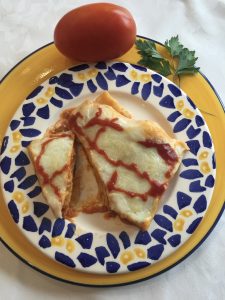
x=27, y=25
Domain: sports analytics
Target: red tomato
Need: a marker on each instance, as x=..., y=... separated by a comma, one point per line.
x=95, y=32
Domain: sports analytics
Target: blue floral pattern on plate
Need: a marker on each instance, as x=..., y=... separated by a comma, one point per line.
x=124, y=249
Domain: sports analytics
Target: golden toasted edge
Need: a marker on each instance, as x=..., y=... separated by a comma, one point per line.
x=159, y=135
x=92, y=206
x=106, y=99
x=144, y=225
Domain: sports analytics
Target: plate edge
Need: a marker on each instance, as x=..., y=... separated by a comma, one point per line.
x=134, y=281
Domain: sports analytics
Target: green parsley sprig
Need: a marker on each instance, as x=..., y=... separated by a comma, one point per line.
x=181, y=60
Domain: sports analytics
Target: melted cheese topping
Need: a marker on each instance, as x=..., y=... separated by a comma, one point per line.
x=147, y=159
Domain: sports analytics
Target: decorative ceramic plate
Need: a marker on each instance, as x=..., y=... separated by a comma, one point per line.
x=92, y=244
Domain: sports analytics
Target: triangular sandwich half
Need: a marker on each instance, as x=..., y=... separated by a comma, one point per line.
x=133, y=159
x=53, y=158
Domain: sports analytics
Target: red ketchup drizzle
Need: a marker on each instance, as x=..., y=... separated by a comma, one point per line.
x=144, y=196
x=103, y=122
x=46, y=178
x=165, y=151
x=156, y=188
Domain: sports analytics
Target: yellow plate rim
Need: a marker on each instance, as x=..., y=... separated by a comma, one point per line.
x=146, y=277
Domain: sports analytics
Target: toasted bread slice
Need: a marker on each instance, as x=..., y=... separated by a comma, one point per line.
x=53, y=159
x=86, y=195
x=133, y=160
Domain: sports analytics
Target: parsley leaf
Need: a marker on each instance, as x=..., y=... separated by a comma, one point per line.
x=174, y=46
x=151, y=58
x=187, y=62
x=182, y=59
x=148, y=48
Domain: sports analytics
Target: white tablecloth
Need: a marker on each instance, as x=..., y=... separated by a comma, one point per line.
x=27, y=25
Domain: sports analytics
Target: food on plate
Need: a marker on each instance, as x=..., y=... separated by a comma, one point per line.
x=122, y=164
x=133, y=160
x=95, y=32
x=53, y=157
